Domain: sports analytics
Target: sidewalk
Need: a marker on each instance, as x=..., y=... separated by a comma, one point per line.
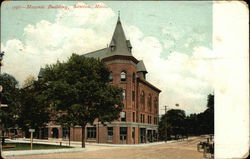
x=76, y=147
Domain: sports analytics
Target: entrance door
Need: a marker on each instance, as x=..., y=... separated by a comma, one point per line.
x=142, y=135
x=123, y=135
x=54, y=133
x=150, y=136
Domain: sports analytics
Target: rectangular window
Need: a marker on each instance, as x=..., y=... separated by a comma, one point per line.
x=133, y=133
x=133, y=116
x=123, y=116
x=91, y=133
x=123, y=130
x=124, y=94
x=155, y=120
x=65, y=133
x=110, y=133
x=123, y=134
x=133, y=95
x=143, y=118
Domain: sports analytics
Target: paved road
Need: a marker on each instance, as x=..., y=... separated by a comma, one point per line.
x=177, y=150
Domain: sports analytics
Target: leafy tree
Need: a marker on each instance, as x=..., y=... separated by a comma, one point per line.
x=208, y=114
x=9, y=96
x=172, y=123
x=202, y=123
x=34, y=111
x=79, y=91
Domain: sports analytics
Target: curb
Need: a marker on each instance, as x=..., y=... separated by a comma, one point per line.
x=40, y=152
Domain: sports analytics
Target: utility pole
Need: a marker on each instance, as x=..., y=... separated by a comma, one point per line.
x=166, y=109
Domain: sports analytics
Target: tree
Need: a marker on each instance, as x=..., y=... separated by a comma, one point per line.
x=9, y=96
x=208, y=114
x=34, y=110
x=172, y=123
x=202, y=123
x=79, y=91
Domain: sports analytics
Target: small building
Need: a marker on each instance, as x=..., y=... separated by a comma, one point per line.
x=138, y=122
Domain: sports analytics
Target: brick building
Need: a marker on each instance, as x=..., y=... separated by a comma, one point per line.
x=139, y=118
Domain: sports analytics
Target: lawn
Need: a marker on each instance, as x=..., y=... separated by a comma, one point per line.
x=26, y=146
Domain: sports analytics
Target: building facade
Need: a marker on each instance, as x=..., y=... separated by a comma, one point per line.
x=138, y=122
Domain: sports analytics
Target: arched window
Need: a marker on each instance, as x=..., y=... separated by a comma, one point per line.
x=155, y=105
x=123, y=76
x=142, y=99
x=133, y=77
x=110, y=76
x=149, y=103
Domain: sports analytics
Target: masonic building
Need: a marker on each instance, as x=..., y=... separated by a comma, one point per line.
x=138, y=122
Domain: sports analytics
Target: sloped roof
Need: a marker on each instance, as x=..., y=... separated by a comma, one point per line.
x=140, y=67
x=102, y=53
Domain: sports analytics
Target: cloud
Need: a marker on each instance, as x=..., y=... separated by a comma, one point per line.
x=183, y=79
x=46, y=41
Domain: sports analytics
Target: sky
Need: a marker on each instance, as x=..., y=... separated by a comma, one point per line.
x=173, y=38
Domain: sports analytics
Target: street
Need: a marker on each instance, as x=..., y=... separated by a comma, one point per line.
x=177, y=150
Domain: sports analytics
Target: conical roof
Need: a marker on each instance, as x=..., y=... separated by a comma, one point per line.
x=41, y=72
x=140, y=67
x=119, y=44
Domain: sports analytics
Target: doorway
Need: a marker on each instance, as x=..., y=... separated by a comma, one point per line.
x=123, y=135
x=55, y=133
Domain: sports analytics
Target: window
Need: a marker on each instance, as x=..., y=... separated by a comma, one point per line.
x=155, y=120
x=123, y=133
x=142, y=99
x=133, y=133
x=133, y=77
x=65, y=133
x=110, y=77
x=91, y=132
x=133, y=116
x=155, y=105
x=133, y=95
x=142, y=118
x=124, y=94
x=110, y=133
x=123, y=130
x=123, y=116
x=123, y=76
x=149, y=103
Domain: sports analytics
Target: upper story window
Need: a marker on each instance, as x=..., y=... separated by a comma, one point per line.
x=123, y=76
x=133, y=95
x=155, y=105
x=149, y=103
x=124, y=94
x=133, y=77
x=110, y=76
x=142, y=98
x=123, y=116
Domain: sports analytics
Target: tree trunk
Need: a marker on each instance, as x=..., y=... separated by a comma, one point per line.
x=69, y=136
x=83, y=135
